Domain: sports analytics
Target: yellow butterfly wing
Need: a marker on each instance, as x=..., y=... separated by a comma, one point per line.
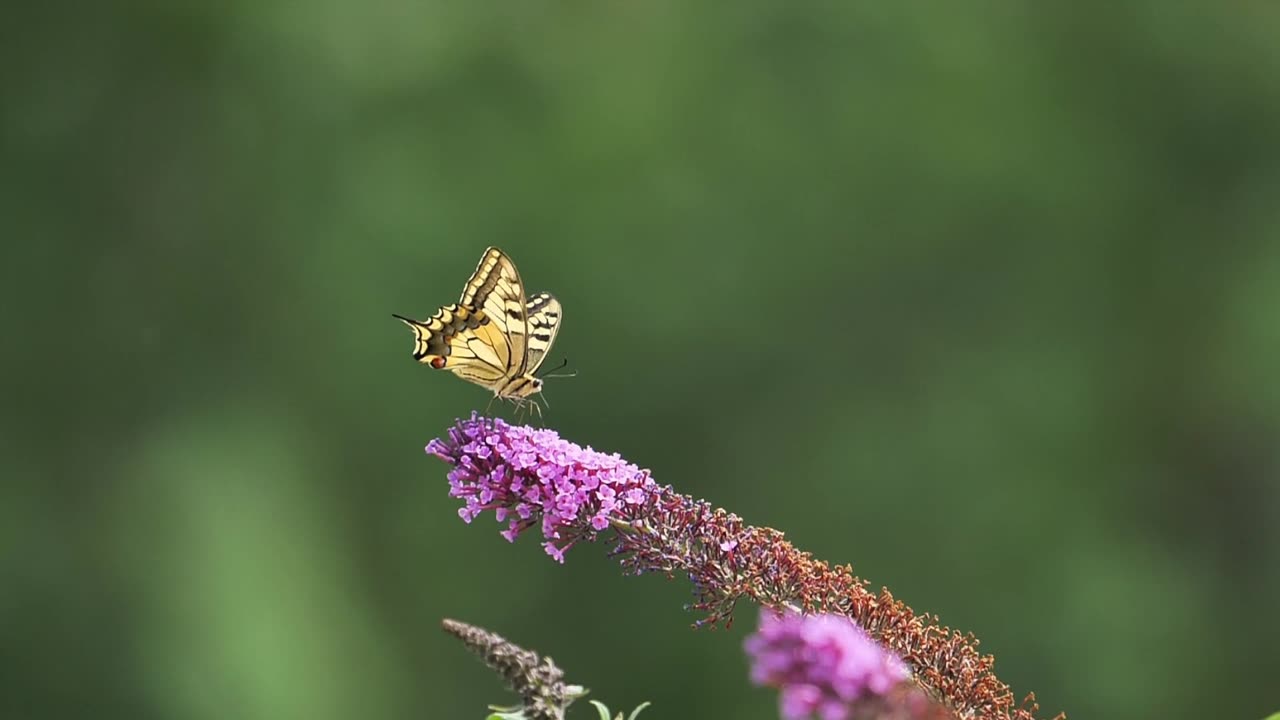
x=543, y=313
x=495, y=288
x=481, y=338
x=462, y=341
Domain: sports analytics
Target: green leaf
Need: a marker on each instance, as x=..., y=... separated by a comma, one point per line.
x=1273, y=716
x=512, y=713
x=639, y=707
x=604, y=711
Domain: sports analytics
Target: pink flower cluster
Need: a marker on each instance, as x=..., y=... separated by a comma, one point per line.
x=527, y=476
x=821, y=664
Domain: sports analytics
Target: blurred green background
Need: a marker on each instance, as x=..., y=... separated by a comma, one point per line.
x=984, y=300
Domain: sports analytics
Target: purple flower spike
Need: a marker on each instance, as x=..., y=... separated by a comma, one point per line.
x=533, y=477
x=821, y=663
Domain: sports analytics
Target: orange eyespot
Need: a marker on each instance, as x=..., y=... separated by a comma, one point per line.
x=438, y=362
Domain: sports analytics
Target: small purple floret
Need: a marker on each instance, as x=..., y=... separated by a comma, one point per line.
x=533, y=477
x=821, y=664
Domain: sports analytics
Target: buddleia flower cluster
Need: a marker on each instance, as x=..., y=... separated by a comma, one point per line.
x=825, y=665
x=532, y=478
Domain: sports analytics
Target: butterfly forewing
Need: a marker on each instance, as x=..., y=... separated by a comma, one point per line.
x=495, y=288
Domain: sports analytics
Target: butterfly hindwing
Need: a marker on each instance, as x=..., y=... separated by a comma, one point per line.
x=461, y=340
x=543, y=314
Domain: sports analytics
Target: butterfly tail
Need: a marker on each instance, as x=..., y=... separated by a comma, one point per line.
x=422, y=334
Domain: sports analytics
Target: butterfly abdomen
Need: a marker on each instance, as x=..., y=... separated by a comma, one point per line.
x=519, y=386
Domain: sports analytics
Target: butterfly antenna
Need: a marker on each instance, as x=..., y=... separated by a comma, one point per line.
x=551, y=373
x=566, y=362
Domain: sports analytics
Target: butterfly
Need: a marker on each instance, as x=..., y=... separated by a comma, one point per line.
x=492, y=336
